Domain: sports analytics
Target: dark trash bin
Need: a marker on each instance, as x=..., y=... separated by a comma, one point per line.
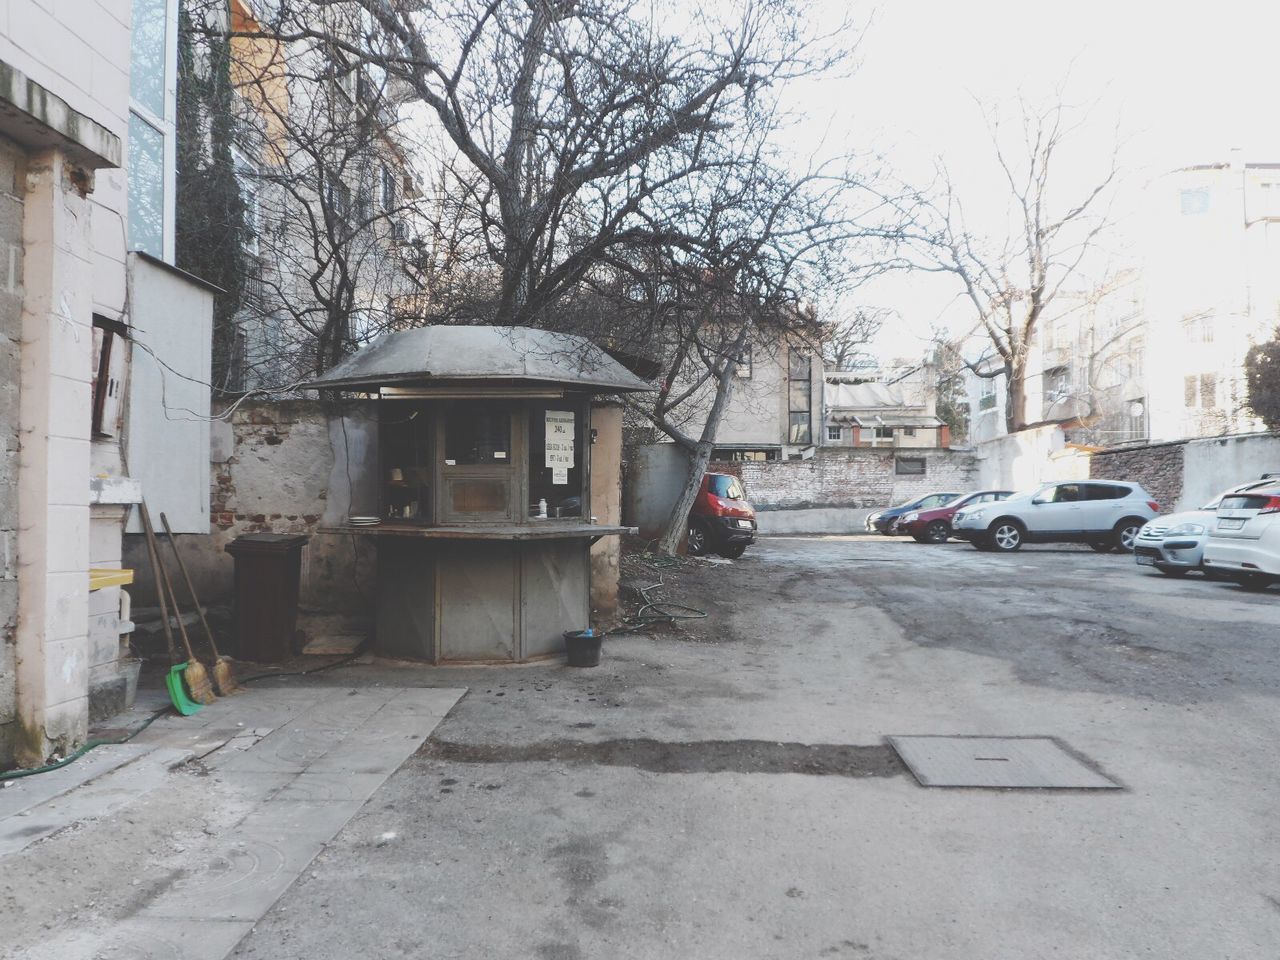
x=268, y=569
x=583, y=647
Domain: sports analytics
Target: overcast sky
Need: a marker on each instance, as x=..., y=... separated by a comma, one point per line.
x=1186, y=82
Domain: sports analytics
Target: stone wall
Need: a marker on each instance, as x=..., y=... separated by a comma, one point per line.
x=1158, y=467
x=1186, y=474
x=10, y=340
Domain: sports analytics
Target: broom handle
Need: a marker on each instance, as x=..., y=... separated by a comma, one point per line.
x=177, y=614
x=191, y=589
x=157, y=571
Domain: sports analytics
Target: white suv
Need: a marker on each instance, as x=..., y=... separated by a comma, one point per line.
x=1106, y=514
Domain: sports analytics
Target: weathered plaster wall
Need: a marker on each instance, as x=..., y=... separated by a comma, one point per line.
x=606, y=507
x=280, y=468
x=1024, y=460
x=11, y=162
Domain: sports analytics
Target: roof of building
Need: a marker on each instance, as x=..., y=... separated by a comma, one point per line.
x=863, y=395
x=427, y=355
x=886, y=418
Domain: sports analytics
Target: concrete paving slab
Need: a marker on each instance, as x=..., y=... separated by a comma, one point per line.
x=316, y=787
x=255, y=864
x=1000, y=762
x=98, y=797
x=27, y=792
x=149, y=938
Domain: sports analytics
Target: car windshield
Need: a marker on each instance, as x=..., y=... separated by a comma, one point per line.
x=1216, y=502
x=727, y=487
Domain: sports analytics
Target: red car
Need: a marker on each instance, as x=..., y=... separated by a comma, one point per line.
x=721, y=519
x=934, y=526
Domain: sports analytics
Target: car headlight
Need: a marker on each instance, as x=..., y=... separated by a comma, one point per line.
x=1185, y=529
x=909, y=518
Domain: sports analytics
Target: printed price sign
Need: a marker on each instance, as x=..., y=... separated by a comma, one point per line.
x=559, y=442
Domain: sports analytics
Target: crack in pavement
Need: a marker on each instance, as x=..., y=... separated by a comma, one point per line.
x=700, y=756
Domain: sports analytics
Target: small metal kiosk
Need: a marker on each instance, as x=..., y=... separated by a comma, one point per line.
x=483, y=523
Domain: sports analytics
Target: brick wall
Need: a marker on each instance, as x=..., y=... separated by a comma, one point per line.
x=1158, y=467
x=10, y=339
x=854, y=478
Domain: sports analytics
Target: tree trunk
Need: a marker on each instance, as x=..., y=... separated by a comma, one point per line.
x=1015, y=403
x=677, y=524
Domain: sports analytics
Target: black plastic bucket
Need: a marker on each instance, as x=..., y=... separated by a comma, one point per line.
x=583, y=648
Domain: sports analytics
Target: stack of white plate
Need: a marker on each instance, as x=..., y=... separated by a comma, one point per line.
x=363, y=521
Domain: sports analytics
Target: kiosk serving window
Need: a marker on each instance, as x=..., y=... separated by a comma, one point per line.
x=484, y=461
x=557, y=454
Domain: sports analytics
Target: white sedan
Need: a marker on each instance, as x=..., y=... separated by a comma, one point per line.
x=1244, y=541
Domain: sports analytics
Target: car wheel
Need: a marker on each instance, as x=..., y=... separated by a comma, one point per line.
x=937, y=532
x=1254, y=582
x=733, y=551
x=1102, y=547
x=1006, y=535
x=1172, y=571
x=698, y=539
x=1126, y=534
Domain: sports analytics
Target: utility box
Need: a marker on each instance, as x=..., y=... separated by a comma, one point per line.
x=268, y=570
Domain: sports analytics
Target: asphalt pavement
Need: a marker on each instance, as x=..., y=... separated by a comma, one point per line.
x=725, y=790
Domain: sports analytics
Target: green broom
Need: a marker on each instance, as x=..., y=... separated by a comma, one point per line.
x=173, y=679
x=193, y=672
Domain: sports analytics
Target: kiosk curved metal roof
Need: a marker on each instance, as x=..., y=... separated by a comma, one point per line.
x=443, y=354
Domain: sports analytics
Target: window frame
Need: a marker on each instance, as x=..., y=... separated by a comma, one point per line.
x=166, y=126
x=835, y=429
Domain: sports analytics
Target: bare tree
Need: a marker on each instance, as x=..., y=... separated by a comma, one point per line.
x=570, y=119
x=1010, y=280
x=844, y=339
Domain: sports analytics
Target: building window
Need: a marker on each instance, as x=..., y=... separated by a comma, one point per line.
x=337, y=196
x=387, y=193
x=744, y=364
x=247, y=180
x=151, y=150
x=1195, y=202
x=835, y=433
x=987, y=397
x=1201, y=391
x=1198, y=328
x=884, y=433
x=799, y=397
x=908, y=431
x=909, y=466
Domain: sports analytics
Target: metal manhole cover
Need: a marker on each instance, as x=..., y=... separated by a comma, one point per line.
x=1036, y=762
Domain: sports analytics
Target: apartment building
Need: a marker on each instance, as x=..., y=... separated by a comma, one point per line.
x=91, y=309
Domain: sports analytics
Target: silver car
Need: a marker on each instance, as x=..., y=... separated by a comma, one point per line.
x=1174, y=545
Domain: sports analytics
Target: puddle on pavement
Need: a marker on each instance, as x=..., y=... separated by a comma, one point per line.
x=701, y=756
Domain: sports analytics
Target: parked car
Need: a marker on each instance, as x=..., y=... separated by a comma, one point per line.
x=1106, y=514
x=1174, y=544
x=881, y=521
x=934, y=526
x=1244, y=541
x=721, y=519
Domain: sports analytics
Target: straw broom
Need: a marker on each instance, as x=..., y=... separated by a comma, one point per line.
x=224, y=681
x=195, y=675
